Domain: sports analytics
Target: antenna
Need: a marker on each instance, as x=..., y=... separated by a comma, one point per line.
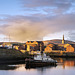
x=4, y=39
x=9, y=37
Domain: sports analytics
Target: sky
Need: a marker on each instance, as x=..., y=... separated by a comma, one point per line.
x=26, y=20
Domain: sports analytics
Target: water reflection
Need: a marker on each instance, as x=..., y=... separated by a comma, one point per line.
x=8, y=67
x=66, y=66
x=64, y=62
x=21, y=67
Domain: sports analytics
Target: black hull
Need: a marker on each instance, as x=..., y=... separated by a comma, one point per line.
x=34, y=64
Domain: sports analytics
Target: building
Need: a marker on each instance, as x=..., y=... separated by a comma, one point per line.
x=70, y=48
x=60, y=47
x=35, y=46
x=15, y=46
x=54, y=48
x=49, y=48
x=6, y=45
x=19, y=46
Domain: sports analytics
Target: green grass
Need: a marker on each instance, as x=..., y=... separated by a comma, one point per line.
x=11, y=54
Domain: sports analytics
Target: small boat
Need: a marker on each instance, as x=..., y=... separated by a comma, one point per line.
x=40, y=61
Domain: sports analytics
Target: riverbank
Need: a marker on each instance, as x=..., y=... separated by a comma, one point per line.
x=65, y=55
x=12, y=56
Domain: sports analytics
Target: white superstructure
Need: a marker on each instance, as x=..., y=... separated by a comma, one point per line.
x=43, y=58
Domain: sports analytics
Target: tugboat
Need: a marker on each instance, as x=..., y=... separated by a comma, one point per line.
x=40, y=60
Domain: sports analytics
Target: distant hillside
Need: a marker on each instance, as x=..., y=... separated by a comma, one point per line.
x=10, y=42
x=57, y=41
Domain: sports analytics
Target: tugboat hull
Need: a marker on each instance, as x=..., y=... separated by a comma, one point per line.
x=34, y=64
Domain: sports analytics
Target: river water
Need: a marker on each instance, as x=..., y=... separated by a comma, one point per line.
x=64, y=67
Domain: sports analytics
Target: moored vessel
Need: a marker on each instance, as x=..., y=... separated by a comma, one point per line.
x=40, y=61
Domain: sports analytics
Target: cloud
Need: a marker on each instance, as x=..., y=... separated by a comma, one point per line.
x=48, y=6
x=23, y=28
x=71, y=35
x=43, y=17
x=40, y=3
